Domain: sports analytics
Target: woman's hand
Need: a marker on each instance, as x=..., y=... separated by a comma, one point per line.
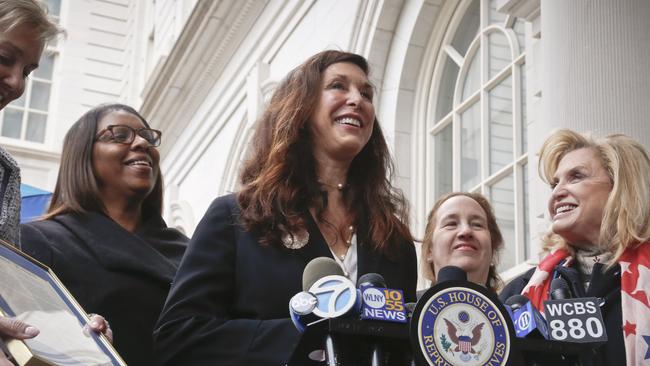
x=100, y=325
x=14, y=328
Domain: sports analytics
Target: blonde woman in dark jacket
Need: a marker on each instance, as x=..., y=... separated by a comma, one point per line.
x=25, y=28
x=599, y=241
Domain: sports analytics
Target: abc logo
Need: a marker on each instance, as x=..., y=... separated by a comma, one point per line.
x=523, y=321
x=303, y=303
x=335, y=296
x=374, y=298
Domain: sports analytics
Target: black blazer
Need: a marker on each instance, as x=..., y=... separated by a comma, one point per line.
x=123, y=276
x=230, y=299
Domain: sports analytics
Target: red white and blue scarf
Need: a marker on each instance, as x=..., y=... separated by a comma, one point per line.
x=635, y=300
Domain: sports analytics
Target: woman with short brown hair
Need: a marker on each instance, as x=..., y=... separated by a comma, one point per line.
x=462, y=231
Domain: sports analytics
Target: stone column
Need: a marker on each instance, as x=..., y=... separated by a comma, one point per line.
x=596, y=66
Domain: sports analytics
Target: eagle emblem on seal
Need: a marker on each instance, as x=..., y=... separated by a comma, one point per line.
x=464, y=343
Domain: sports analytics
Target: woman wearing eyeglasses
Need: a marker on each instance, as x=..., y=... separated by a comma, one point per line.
x=103, y=234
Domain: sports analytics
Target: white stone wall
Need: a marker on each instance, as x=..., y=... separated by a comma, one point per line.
x=200, y=70
x=89, y=70
x=109, y=51
x=599, y=78
x=208, y=134
x=202, y=160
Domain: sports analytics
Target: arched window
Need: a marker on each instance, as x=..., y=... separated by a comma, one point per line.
x=477, y=128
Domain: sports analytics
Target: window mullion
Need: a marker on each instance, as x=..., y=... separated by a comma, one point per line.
x=516, y=111
x=456, y=131
x=520, y=232
x=28, y=97
x=519, y=221
x=484, y=23
x=484, y=15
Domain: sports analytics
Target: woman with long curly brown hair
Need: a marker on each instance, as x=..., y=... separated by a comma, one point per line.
x=317, y=184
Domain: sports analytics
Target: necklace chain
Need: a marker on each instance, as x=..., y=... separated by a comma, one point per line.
x=348, y=242
x=338, y=186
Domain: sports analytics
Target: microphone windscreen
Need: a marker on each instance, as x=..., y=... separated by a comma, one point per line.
x=371, y=280
x=318, y=268
x=451, y=273
x=410, y=308
x=560, y=289
x=516, y=301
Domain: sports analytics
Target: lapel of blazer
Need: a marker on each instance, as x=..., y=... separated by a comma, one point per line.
x=367, y=259
x=117, y=249
x=317, y=246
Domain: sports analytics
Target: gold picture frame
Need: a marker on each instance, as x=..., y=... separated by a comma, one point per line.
x=31, y=292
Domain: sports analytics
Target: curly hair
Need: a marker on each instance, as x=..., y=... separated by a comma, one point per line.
x=625, y=217
x=494, y=282
x=279, y=182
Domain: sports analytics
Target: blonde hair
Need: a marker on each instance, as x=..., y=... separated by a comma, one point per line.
x=626, y=216
x=14, y=13
x=494, y=282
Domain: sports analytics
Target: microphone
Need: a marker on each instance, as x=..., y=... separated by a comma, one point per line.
x=528, y=321
x=368, y=281
x=334, y=295
x=410, y=308
x=301, y=310
x=332, y=304
x=560, y=289
x=575, y=320
x=318, y=268
x=516, y=301
x=563, y=333
x=451, y=273
x=455, y=319
x=380, y=303
x=573, y=326
x=302, y=304
x=371, y=280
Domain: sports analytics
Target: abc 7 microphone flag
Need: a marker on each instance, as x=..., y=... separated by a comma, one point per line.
x=335, y=296
x=460, y=323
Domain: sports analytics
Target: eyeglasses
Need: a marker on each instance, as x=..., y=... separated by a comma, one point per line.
x=123, y=134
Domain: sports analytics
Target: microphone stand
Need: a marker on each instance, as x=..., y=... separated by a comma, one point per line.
x=377, y=357
x=330, y=352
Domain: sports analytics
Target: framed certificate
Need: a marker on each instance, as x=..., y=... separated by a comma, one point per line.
x=32, y=293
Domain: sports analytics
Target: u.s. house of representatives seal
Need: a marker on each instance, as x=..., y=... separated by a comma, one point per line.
x=460, y=325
